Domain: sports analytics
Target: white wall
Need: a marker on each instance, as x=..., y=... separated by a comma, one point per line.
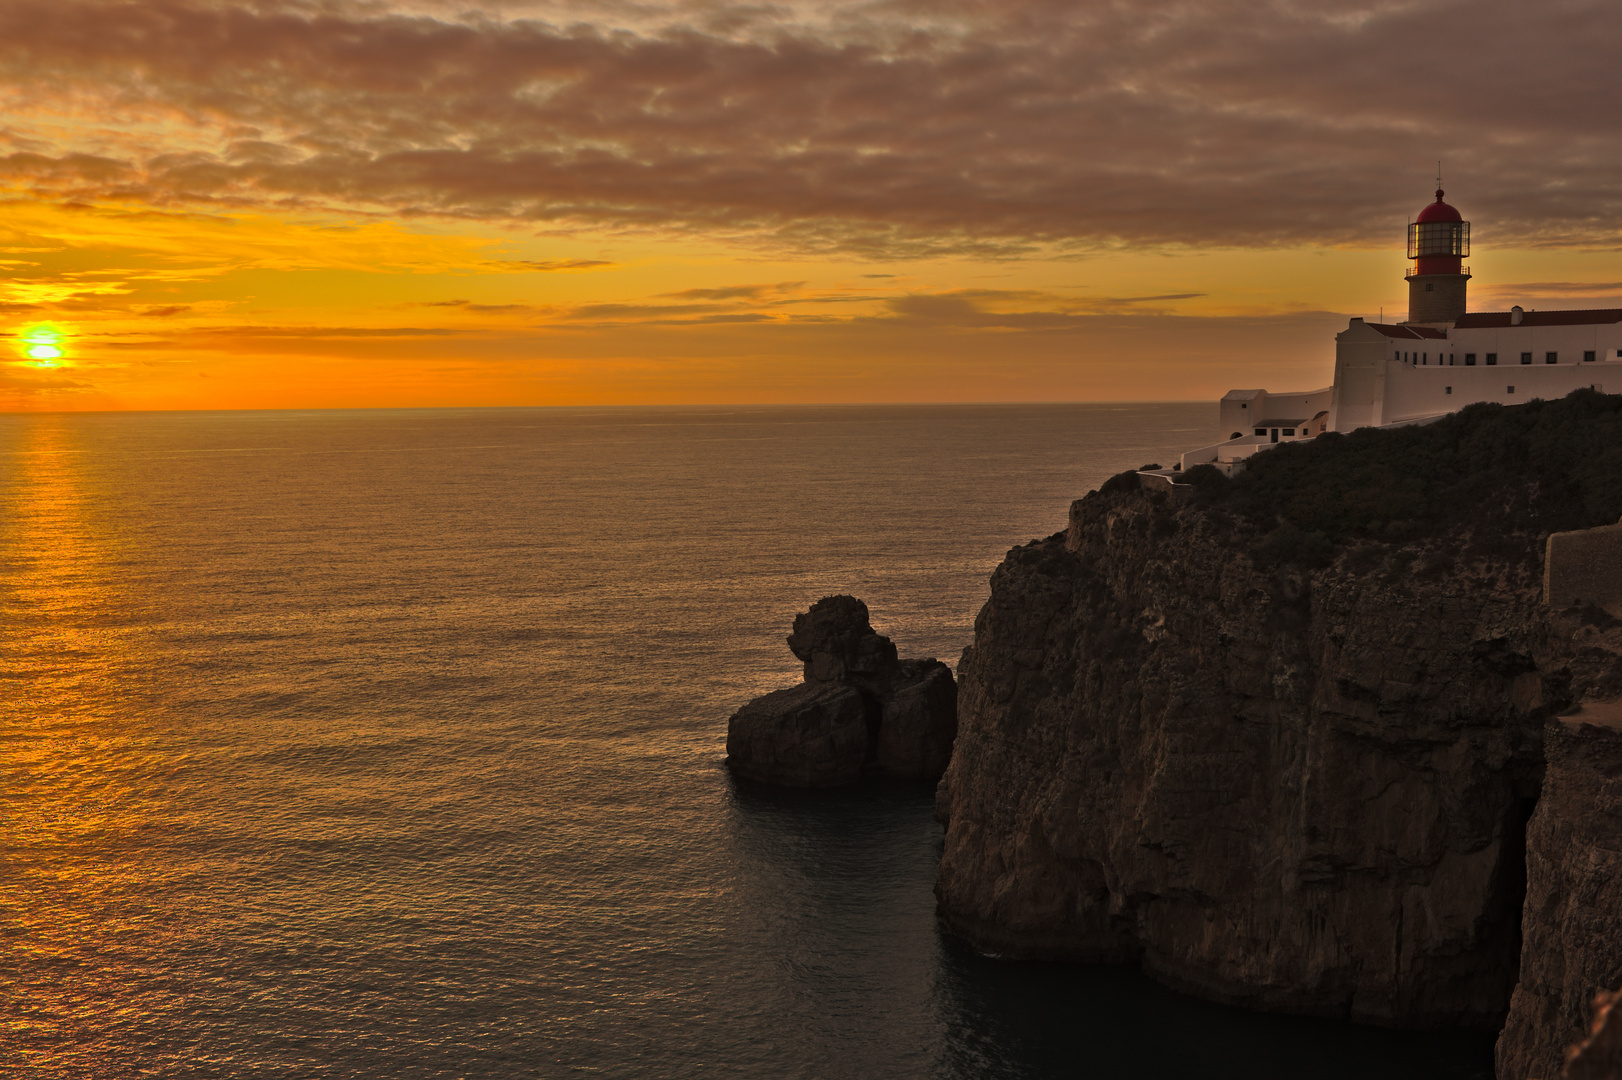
x=1412, y=392
x=1373, y=387
x=1604, y=339
x=1245, y=410
x=1362, y=355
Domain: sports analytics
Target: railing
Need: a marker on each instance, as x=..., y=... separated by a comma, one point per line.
x=1413, y=271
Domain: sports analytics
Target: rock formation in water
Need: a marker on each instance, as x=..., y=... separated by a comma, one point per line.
x=1282, y=749
x=860, y=707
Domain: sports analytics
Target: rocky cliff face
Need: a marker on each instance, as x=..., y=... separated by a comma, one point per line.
x=1573, y=924
x=1295, y=787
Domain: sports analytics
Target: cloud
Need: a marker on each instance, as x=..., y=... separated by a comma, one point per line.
x=469, y=305
x=876, y=129
x=1556, y=288
x=552, y=265
x=738, y=292
x=1014, y=309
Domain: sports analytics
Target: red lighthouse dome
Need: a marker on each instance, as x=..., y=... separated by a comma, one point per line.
x=1439, y=211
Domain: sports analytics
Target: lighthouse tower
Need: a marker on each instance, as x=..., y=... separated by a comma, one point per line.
x=1437, y=244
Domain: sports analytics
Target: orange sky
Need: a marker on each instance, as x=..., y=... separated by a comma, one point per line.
x=313, y=204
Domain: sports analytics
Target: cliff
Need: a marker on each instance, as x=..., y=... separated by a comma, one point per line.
x=1573, y=923
x=1279, y=741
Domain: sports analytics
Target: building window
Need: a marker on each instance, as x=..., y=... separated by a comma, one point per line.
x=1261, y=431
x=1512, y=389
x=1492, y=359
x=1526, y=358
x=1589, y=355
x=1430, y=288
x=1425, y=358
x=1551, y=358
x=1469, y=359
x=1289, y=431
x=1449, y=359
x=1450, y=389
x=1242, y=405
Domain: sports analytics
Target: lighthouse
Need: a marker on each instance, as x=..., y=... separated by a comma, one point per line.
x=1437, y=244
x=1440, y=360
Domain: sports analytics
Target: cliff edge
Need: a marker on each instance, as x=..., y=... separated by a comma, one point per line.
x=1279, y=739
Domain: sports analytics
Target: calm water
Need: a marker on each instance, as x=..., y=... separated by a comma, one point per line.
x=389, y=744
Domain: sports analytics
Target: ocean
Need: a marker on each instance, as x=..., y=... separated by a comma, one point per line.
x=390, y=743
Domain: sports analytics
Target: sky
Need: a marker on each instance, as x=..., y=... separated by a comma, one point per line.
x=290, y=204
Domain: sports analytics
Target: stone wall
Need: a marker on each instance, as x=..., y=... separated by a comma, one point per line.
x=1584, y=567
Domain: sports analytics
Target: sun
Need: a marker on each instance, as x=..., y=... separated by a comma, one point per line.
x=42, y=345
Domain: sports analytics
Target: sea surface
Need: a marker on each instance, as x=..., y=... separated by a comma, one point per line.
x=390, y=744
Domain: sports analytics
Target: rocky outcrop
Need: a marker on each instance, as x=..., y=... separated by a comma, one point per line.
x=860, y=707
x=1278, y=739
x=1573, y=915
x=837, y=644
x=811, y=735
x=1291, y=786
x=919, y=721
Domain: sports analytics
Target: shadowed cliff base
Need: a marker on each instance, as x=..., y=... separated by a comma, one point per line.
x=1278, y=741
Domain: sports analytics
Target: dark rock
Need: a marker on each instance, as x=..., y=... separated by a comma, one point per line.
x=838, y=644
x=859, y=706
x=1573, y=917
x=919, y=721
x=1278, y=738
x=1294, y=788
x=811, y=735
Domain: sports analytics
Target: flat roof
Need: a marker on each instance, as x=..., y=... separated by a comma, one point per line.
x=1483, y=320
x=1403, y=330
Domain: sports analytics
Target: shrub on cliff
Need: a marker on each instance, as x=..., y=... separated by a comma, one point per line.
x=1501, y=471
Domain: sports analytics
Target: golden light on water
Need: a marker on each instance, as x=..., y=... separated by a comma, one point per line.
x=43, y=345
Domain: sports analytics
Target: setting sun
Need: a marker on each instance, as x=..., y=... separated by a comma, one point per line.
x=43, y=345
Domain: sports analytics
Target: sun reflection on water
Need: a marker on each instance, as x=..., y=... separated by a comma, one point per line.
x=80, y=773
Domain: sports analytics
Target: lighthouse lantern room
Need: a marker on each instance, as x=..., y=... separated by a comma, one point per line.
x=1437, y=245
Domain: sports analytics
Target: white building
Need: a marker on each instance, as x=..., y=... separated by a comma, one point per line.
x=1442, y=359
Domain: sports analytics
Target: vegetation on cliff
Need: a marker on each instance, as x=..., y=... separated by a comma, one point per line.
x=1502, y=476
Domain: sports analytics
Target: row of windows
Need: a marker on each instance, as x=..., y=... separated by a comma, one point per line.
x=1507, y=390
x=1589, y=356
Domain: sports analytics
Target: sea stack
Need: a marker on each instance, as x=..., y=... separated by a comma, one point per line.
x=860, y=708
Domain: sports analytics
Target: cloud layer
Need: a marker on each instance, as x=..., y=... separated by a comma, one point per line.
x=883, y=129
